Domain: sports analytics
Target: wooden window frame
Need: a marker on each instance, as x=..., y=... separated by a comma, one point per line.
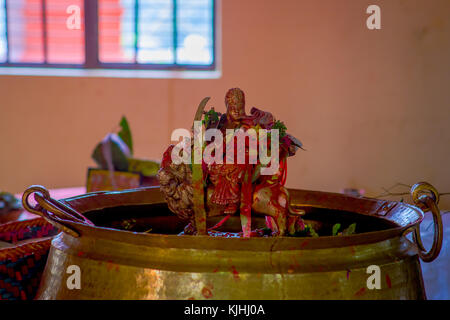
x=91, y=42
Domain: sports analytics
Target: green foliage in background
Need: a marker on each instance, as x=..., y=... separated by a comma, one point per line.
x=281, y=128
x=125, y=134
x=210, y=117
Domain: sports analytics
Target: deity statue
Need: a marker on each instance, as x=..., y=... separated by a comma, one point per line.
x=231, y=186
x=227, y=178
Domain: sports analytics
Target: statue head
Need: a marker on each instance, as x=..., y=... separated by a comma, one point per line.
x=235, y=102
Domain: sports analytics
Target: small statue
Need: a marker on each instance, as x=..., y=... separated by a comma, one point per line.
x=233, y=186
x=227, y=178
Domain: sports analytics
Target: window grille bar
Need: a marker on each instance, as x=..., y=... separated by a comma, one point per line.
x=6, y=32
x=91, y=33
x=214, y=34
x=175, y=31
x=44, y=29
x=136, y=29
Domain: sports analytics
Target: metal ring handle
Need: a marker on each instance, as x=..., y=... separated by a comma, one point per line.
x=422, y=188
x=54, y=211
x=427, y=197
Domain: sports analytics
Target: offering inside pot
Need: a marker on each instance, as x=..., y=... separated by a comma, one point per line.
x=322, y=221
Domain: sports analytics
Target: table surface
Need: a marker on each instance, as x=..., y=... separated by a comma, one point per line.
x=57, y=194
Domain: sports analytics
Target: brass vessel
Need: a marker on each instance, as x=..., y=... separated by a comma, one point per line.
x=119, y=264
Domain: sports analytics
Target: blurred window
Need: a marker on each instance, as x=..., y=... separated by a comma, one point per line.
x=111, y=34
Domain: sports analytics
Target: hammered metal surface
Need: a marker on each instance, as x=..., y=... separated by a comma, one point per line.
x=125, y=265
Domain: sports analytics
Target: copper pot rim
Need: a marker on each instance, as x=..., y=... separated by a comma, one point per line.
x=405, y=216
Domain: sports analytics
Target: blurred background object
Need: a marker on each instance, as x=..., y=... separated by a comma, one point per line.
x=10, y=207
x=353, y=192
x=436, y=275
x=117, y=168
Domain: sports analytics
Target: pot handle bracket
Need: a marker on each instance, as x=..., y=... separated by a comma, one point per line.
x=426, y=197
x=55, y=212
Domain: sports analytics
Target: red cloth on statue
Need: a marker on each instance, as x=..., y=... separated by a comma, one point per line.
x=225, y=178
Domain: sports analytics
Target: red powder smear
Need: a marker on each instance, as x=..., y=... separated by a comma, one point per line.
x=215, y=270
x=360, y=292
x=284, y=171
x=348, y=273
x=191, y=298
x=221, y=222
x=110, y=265
x=246, y=201
x=80, y=253
x=295, y=263
x=269, y=222
x=235, y=272
x=304, y=243
x=206, y=292
x=388, y=281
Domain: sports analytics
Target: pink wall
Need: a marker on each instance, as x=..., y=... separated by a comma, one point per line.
x=371, y=107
